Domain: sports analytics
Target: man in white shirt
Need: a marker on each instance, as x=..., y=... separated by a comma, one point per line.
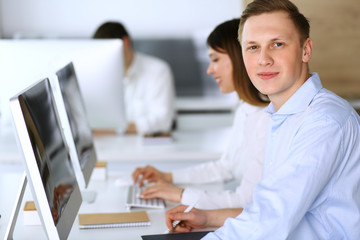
x=310, y=187
x=149, y=85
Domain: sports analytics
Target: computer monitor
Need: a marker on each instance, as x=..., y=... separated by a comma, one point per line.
x=99, y=65
x=76, y=127
x=48, y=165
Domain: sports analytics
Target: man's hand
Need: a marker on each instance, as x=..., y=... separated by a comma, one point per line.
x=195, y=219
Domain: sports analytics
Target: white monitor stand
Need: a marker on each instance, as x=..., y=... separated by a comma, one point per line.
x=15, y=212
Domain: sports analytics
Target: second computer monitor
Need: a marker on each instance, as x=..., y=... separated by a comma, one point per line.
x=76, y=126
x=48, y=165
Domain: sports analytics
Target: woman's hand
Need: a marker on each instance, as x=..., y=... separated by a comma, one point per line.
x=163, y=190
x=150, y=174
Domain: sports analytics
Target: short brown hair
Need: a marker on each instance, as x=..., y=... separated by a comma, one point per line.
x=224, y=39
x=111, y=30
x=258, y=7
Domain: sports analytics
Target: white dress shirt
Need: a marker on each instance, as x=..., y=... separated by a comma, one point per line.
x=311, y=179
x=242, y=161
x=149, y=94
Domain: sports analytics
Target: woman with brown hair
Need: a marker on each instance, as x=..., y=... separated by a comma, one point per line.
x=243, y=159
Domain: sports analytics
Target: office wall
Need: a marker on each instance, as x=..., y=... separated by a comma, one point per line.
x=335, y=30
x=1, y=19
x=144, y=18
x=174, y=30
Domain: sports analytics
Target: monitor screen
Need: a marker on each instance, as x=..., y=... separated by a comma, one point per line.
x=75, y=120
x=99, y=67
x=48, y=163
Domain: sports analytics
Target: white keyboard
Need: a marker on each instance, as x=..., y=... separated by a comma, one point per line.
x=134, y=201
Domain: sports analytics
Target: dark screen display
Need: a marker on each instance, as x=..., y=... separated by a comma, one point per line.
x=50, y=151
x=75, y=109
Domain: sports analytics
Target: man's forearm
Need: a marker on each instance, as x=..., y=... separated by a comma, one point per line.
x=216, y=218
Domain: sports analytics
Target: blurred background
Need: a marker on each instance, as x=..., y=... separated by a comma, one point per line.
x=176, y=31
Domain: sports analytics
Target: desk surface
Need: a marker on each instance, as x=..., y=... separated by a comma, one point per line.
x=223, y=102
x=110, y=198
x=188, y=145
x=202, y=145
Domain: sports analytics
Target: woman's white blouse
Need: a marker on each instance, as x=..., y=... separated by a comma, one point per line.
x=242, y=162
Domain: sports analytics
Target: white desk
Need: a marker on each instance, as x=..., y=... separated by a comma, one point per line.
x=220, y=103
x=192, y=144
x=188, y=146
x=110, y=198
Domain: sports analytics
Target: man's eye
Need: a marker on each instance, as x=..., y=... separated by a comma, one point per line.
x=278, y=44
x=252, y=47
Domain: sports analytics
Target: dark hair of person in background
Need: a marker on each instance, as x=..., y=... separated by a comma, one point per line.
x=111, y=30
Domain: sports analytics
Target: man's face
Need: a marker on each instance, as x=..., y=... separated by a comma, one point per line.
x=273, y=56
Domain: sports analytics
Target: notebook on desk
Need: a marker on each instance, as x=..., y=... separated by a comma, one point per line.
x=176, y=236
x=112, y=220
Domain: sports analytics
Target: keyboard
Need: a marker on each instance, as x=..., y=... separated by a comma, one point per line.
x=134, y=201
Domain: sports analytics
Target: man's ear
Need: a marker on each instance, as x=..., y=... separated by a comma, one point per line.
x=307, y=50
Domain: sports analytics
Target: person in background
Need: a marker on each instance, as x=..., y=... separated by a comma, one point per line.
x=245, y=151
x=310, y=186
x=149, y=85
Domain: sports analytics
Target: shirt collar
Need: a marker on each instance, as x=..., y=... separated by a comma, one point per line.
x=301, y=99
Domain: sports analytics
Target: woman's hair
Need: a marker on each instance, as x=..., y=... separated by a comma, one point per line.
x=258, y=7
x=224, y=39
x=111, y=30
